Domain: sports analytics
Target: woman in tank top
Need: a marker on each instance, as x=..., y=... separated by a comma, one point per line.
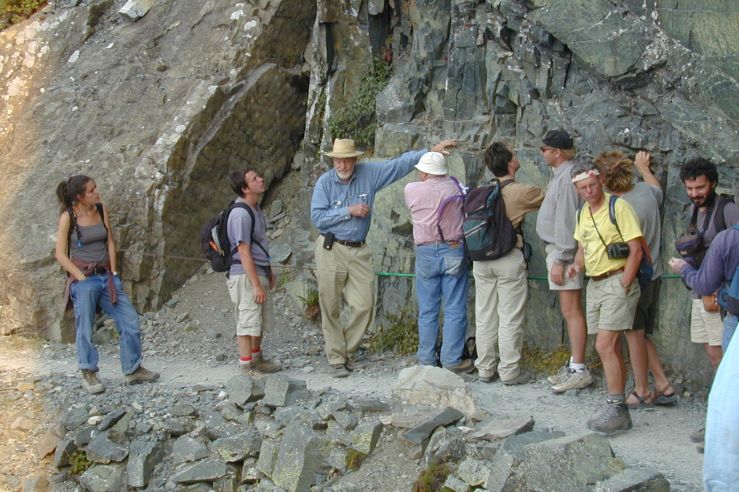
x=86, y=250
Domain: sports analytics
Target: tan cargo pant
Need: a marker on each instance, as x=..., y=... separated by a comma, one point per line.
x=344, y=271
x=500, y=298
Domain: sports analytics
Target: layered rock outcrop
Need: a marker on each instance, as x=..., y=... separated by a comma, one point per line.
x=159, y=109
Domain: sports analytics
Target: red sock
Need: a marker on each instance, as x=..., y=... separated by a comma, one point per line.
x=256, y=351
x=244, y=360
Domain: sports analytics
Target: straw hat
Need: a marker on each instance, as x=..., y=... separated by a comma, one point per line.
x=433, y=163
x=344, y=147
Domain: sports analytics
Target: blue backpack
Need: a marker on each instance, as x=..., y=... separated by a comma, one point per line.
x=728, y=295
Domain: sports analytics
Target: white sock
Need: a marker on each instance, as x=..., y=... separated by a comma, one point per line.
x=577, y=367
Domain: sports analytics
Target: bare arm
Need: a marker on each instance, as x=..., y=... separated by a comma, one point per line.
x=642, y=164
x=632, y=263
x=62, y=242
x=112, y=255
x=251, y=272
x=578, y=264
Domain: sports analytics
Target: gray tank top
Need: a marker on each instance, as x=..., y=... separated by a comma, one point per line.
x=91, y=248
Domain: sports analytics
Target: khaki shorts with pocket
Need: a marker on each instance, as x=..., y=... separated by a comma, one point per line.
x=608, y=307
x=705, y=327
x=252, y=319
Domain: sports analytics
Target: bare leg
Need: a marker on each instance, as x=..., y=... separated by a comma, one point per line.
x=570, y=302
x=638, y=355
x=714, y=354
x=245, y=345
x=609, y=349
x=661, y=383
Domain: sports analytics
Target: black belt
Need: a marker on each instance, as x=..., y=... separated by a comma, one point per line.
x=99, y=271
x=351, y=244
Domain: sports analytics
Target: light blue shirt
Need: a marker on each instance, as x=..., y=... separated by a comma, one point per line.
x=329, y=207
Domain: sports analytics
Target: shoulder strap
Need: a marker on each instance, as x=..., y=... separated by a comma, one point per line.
x=505, y=183
x=612, y=214
x=720, y=220
x=442, y=206
x=253, y=221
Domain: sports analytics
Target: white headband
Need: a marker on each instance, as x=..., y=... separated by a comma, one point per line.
x=585, y=175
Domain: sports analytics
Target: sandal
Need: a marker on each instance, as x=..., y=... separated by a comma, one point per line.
x=662, y=398
x=641, y=402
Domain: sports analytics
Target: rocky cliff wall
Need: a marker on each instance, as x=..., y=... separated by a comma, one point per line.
x=159, y=109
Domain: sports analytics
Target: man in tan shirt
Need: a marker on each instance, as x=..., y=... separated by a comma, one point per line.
x=500, y=284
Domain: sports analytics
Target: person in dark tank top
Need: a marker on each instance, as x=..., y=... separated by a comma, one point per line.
x=86, y=250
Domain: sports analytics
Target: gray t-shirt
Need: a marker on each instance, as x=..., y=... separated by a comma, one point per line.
x=239, y=231
x=646, y=199
x=92, y=247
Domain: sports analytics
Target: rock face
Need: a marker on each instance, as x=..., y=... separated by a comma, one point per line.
x=160, y=105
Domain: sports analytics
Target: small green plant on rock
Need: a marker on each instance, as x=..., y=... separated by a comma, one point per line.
x=356, y=118
x=432, y=478
x=14, y=11
x=78, y=462
x=400, y=335
x=354, y=459
x=312, y=305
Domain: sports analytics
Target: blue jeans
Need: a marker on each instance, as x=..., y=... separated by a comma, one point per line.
x=730, y=321
x=86, y=296
x=441, y=273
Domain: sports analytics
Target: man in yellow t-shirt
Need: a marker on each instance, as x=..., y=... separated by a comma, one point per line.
x=610, y=255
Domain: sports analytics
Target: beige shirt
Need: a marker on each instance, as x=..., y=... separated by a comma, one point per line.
x=520, y=199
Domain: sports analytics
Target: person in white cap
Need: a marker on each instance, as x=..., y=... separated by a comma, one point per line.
x=435, y=203
x=341, y=210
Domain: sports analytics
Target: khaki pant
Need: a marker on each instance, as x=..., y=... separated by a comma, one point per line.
x=252, y=319
x=500, y=298
x=344, y=271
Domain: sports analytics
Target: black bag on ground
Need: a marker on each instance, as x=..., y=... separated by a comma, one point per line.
x=214, y=238
x=488, y=232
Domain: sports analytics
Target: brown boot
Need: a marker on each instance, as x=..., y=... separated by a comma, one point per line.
x=263, y=366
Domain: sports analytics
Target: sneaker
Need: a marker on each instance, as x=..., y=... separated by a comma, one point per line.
x=464, y=366
x=574, y=380
x=698, y=435
x=614, y=418
x=91, y=383
x=561, y=375
x=339, y=371
x=264, y=366
x=522, y=378
x=141, y=375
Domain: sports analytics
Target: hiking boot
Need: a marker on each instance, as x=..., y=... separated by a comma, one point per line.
x=339, y=371
x=614, y=418
x=486, y=379
x=561, y=375
x=91, y=383
x=141, y=375
x=698, y=435
x=264, y=366
x=351, y=365
x=574, y=380
x=463, y=366
x=522, y=378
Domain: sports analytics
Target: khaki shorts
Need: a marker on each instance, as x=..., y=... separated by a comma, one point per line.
x=575, y=283
x=705, y=327
x=252, y=319
x=608, y=307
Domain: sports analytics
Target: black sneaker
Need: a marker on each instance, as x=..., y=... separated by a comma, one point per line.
x=613, y=418
x=91, y=383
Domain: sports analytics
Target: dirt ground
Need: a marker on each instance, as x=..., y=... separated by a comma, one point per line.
x=190, y=342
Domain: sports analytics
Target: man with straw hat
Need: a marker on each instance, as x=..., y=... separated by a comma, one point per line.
x=341, y=210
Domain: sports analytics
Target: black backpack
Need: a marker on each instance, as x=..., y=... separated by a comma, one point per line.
x=488, y=232
x=214, y=240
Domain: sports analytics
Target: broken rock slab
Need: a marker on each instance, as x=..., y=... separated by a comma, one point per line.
x=143, y=457
x=281, y=390
x=366, y=435
x=136, y=9
x=572, y=462
x=102, y=450
x=418, y=437
x=500, y=428
x=302, y=455
x=203, y=471
x=633, y=479
x=103, y=478
x=421, y=391
x=242, y=389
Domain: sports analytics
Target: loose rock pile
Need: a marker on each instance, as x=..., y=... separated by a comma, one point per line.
x=272, y=433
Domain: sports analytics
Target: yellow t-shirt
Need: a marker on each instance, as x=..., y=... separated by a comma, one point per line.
x=596, y=257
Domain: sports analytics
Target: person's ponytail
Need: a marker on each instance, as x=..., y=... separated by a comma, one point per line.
x=68, y=190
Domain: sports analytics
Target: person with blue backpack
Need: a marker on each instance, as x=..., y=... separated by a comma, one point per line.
x=435, y=203
x=720, y=271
